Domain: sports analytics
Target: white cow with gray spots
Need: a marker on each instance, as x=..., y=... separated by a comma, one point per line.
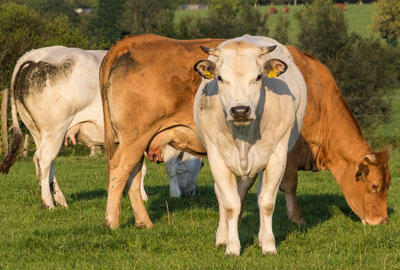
x=248, y=111
x=55, y=90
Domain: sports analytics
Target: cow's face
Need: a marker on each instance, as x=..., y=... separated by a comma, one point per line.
x=239, y=70
x=187, y=171
x=367, y=196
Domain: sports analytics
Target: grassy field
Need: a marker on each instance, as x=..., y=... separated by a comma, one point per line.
x=184, y=233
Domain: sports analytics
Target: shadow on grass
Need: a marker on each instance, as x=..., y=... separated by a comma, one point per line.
x=316, y=209
x=87, y=195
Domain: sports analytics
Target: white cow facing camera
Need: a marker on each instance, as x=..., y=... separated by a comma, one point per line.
x=248, y=111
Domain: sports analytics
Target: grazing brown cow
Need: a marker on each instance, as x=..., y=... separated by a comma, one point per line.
x=331, y=139
x=285, y=10
x=273, y=10
x=148, y=87
x=266, y=17
x=342, y=7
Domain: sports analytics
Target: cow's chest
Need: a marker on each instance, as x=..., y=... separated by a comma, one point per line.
x=241, y=157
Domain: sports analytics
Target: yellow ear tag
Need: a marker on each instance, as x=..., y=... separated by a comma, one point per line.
x=273, y=73
x=208, y=75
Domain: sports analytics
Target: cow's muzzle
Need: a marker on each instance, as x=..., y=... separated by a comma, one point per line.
x=241, y=115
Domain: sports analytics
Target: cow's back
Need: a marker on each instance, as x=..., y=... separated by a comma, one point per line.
x=53, y=84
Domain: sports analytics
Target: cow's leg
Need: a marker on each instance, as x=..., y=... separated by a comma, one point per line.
x=270, y=181
x=222, y=230
x=228, y=195
x=47, y=151
x=244, y=184
x=289, y=186
x=124, y=161
x=133, y=186
x=142, y=190
x=55, y=189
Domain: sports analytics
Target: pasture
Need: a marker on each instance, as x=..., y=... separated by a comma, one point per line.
x=184, y=233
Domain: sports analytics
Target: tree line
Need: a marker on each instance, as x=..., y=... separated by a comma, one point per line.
x=363, y=67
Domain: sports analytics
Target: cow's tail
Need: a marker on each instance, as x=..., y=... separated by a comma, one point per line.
x=10, y=159
x=104, y=75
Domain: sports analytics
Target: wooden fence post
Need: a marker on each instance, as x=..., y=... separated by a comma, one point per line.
x=4, y=134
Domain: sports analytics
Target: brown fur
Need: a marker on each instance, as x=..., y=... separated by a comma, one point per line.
x=331, y=139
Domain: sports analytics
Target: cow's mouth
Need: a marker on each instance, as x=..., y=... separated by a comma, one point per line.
x=241, y=122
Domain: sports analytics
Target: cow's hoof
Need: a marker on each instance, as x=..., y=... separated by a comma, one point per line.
x=111, y=225
x=144, y=225
x=298, y=220
x=233, y=250
x=220, y=243
x=269, y=251
x=48, y=206
x=60, y=200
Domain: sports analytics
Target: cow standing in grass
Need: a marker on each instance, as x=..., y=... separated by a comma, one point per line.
x=248, y=111
x=55, y=90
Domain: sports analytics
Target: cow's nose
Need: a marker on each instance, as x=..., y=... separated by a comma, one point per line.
x=385, y=221
x=189, y=192
x=240, y=112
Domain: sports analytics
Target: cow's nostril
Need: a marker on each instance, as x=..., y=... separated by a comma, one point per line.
x=240, y=112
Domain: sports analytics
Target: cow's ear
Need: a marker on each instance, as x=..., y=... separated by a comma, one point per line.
x=361, y=171
x=274, y=67
x=206, y=69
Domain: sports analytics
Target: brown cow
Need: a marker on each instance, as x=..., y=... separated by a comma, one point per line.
x=273, y=10
x=342, y=7
x=285, y=10
x=148, y=86
x=331, y=139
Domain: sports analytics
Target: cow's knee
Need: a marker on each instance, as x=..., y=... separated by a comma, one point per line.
x=266, y=206
x=232, y=210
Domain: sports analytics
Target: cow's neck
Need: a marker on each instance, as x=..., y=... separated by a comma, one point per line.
x=338, y=142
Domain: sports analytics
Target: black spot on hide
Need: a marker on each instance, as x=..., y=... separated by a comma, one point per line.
x=125, y=64
x=33, y=77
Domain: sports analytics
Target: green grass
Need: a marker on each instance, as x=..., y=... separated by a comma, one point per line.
x=184, y=236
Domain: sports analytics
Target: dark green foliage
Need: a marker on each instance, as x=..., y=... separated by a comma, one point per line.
x=323, y=30
x=225, y=19
x=106, y=25
x=23, y=29
x=282, y=27
x=54, y=8
x=149, y=16
x=365, y=71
